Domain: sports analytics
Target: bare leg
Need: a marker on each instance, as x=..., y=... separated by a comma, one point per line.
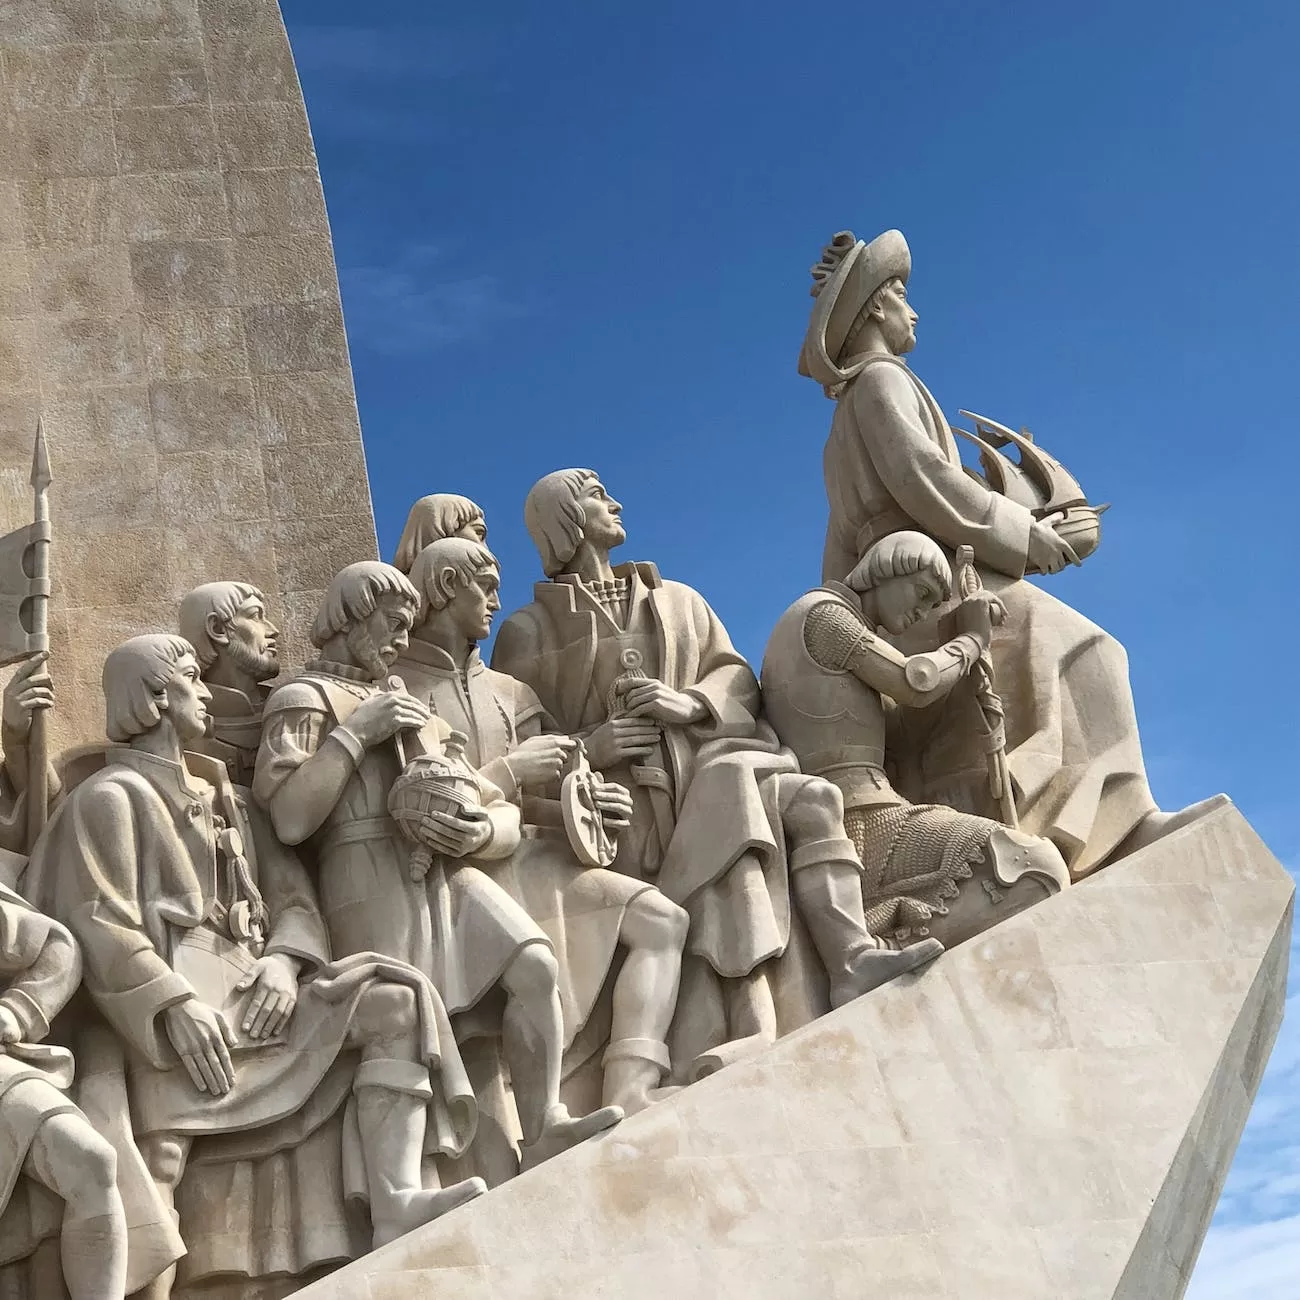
x=533, y=1038
x=645, y=997
x=74, y=1162
x=393, y=1091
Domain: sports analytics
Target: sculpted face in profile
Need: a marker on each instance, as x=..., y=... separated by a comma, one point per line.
x=432, y=518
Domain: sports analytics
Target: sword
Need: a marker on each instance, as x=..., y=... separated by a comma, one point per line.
x=992, y=714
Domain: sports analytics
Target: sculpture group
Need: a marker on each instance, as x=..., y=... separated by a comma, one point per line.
x=338, y=946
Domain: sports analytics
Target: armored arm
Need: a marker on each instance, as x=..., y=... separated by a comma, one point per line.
x=841, y=642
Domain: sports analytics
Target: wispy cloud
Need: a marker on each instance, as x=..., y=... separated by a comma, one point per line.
x=419, y=301
x=1253, y=1247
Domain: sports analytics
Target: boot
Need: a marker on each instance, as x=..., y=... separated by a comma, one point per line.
x=563, y=1131
x=392, y=1097
x=830, y=901
x=633, y=1070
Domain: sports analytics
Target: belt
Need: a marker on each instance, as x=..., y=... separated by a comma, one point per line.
x=825, y=761
x=363, y=830
x=885, y=523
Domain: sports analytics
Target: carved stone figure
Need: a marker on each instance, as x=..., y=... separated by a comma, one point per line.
x=588, y=913
x=334, y=741
x=891, y=464
x=927, y=869
x=237, y=647
x=723, y=821
x=444, y=514
x=205, y=950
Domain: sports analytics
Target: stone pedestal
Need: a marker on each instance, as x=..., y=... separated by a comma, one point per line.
x=1048, y=1110
x=169, y=302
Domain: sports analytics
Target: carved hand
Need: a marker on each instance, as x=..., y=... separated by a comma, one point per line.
x=202, y=1040
x=383, y=715
x=620, y=739
x=613, y=802
x=540, y=759
x=978, y=615
x=1049, y=552
x=269, y=1009
x=10, y=1030
x=31, y=687
x=457, y=837
x=652, y=699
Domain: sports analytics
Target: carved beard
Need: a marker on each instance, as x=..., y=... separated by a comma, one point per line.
x=365, y=653
x=260, y=667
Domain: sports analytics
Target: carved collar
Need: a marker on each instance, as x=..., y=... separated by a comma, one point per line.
x=227, y=702
x=328, y=668
x=170, y=778
x=435, y=658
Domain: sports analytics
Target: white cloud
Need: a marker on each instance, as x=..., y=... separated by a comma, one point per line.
x=1252, y=1251
x=416, y=302
x=1258, y=1261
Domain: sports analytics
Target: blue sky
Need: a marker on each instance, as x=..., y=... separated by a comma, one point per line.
x=580, y=235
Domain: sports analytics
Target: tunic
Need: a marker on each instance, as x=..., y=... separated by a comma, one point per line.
x=579, y=909
x=707, y=823
x=1072, y=740
x=456, y=925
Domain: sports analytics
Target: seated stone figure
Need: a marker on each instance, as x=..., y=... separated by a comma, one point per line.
x=891, y=465
x=927, y=869
x=46, y=1143
x=588, y=913
x=205, y=950
x=334, y=741
x=722, y=821
x=238, y=650
x=443, y=514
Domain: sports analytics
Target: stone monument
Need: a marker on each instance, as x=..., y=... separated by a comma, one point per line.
x=616, y=967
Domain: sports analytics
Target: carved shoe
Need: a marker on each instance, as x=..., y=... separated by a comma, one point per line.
x=565, y=1131
x=421, y=1208
x=876, y=966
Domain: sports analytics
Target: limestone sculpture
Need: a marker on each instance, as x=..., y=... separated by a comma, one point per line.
x=237, y=647
x=723, y=821
x=589, y=913
x=443, y=514
x=48, y=1147
x=891, y=463
x=334, y=742
x=205, y=951
x=927, y=869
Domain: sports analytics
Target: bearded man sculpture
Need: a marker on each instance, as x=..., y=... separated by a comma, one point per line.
x=335, y=740
x=205, y=949
x=891, y=463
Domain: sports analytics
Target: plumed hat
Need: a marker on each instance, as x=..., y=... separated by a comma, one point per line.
x=843, y=281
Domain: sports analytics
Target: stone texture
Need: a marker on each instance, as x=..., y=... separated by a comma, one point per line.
x=1049, y=1109
x=169, y=302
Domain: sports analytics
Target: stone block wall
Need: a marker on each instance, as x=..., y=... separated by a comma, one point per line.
x=169, y=303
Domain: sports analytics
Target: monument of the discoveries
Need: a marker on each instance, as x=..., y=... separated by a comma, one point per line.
x=337, y=962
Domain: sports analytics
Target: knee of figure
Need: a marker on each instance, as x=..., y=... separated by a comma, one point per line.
x=388, y=1011
x=164, y=1157
x=99, y=1161
x=83, y=1164
x=662, y=923
x=533, y=969
x=815, y=811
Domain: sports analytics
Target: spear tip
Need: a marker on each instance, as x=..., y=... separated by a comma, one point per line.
x=41, y=476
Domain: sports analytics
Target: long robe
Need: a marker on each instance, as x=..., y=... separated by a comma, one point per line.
x=891, y=463
x=130, y=865
x=721, y=852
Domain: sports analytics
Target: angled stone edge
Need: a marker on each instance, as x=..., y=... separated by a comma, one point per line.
x=1049, y=1109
